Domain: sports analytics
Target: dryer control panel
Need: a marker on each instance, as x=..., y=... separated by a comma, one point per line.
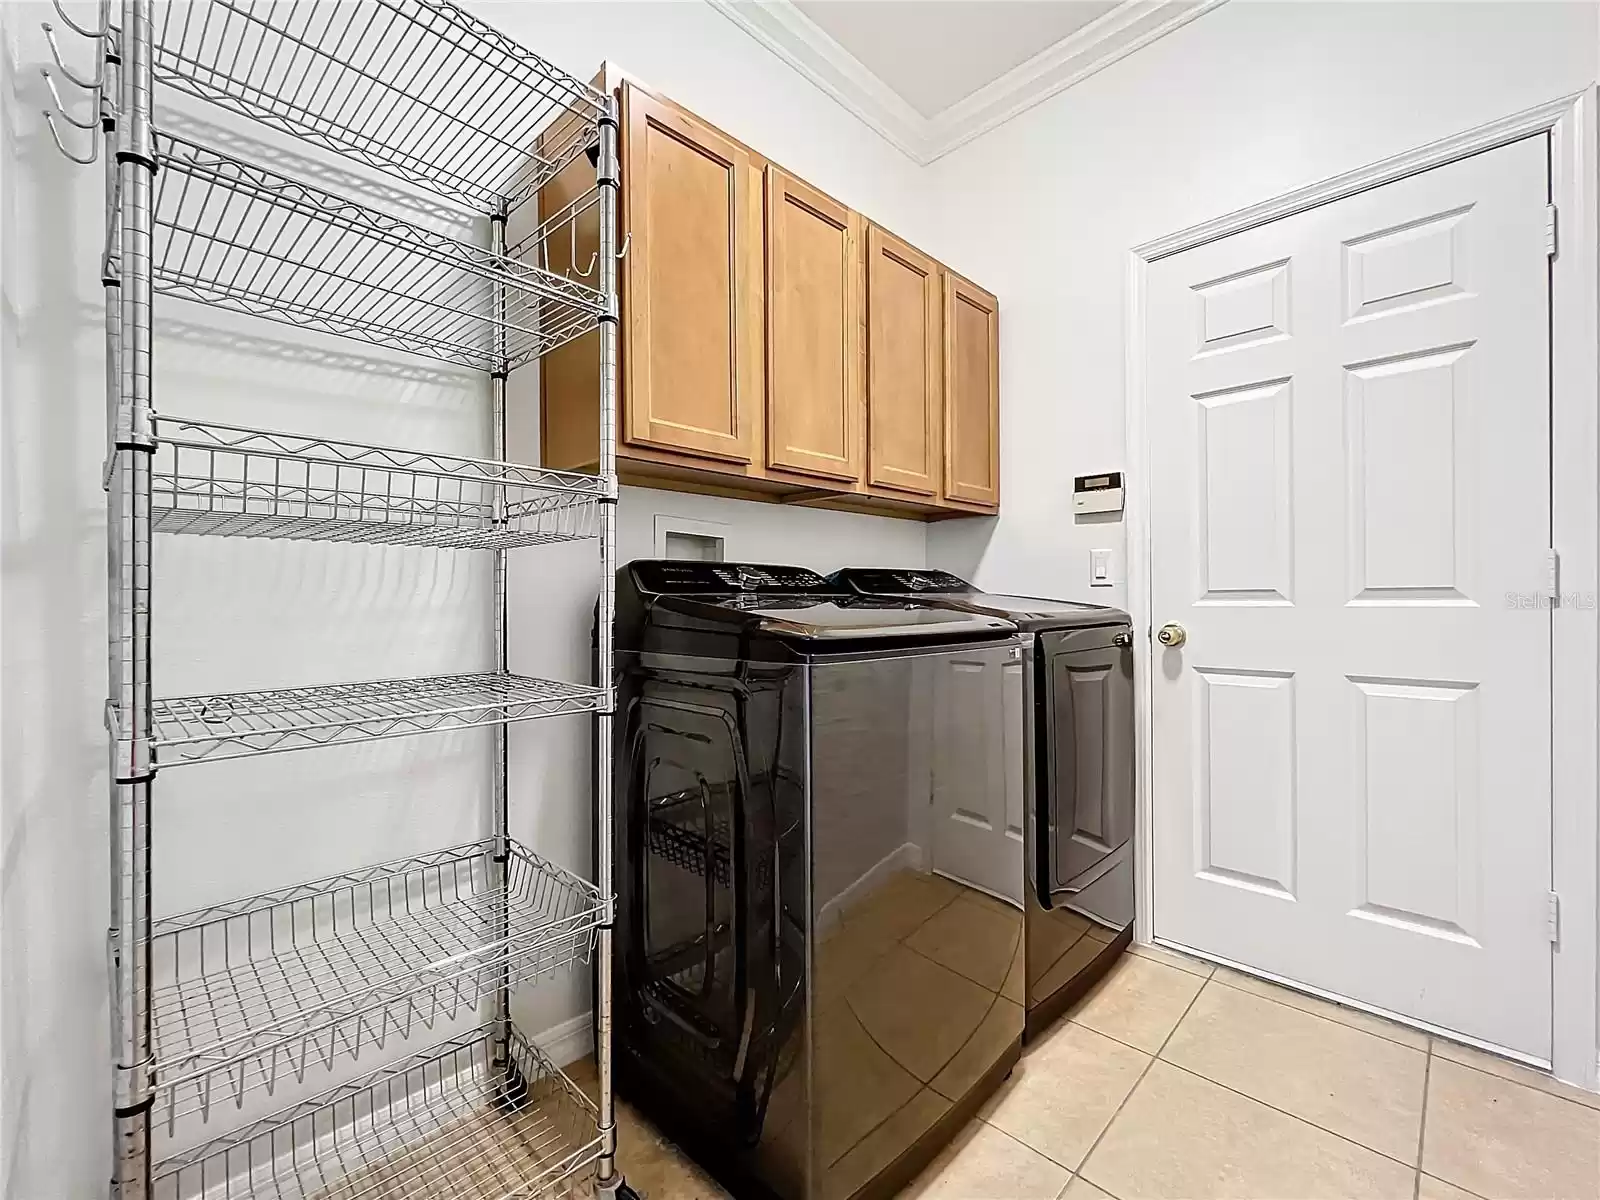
x=880, y=581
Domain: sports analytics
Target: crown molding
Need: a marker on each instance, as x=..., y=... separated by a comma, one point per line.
x=792, y=36
x=1130, y=26
x=787, y=32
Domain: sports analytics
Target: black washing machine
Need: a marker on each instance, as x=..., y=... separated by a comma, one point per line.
x=1078, y=763
x=803, y=1001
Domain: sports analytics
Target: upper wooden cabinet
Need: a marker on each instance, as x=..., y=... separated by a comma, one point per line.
x=773, y=344
x=905, y=384
x=815, y=403
x=692, y=372
x=972, y=395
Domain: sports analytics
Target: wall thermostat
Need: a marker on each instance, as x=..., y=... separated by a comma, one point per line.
x=1097, y=493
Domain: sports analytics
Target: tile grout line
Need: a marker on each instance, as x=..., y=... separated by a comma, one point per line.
x=1256, y=1099
x=1031, y=1150
x=1154, y=1058
x=910, y=949
x=1066, y=950
x=1359, y=1029
x=1072, y=1020
x=1422, y=1127
x=1283, y=1112
x=1143, y=952
x=1431, y=1039
x=1456, y=1062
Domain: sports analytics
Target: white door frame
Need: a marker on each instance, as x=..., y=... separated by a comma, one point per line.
x=1575, y=529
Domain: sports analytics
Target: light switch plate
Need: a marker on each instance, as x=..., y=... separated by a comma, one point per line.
x=1099, y=568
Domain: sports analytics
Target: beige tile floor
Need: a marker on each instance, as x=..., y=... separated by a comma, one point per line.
x=1171, y=1080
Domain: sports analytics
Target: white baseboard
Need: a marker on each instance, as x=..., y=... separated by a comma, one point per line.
x=569, y=1041
x=902, y=858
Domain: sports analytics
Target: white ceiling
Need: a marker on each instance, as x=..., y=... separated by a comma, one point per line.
x=930, y=75
x=936, y=52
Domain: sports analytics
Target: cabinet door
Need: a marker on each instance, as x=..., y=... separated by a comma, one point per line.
x=905, y=390
x=972, y=395
x=815, y=407
x=693, y=288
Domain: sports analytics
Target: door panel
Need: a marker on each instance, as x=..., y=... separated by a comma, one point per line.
x=1244, y=795
x=815, y=402
x=972, y=394
x=905, y=388
x=1349, y=448
x=693, y=296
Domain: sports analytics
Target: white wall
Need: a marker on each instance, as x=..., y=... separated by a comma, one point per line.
x=256, y=614
x=1248, y=101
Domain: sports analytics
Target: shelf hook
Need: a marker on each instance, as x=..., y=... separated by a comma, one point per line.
x=105, y=21
x=55, y=136
x=626, y=242
x=55, y=130
x=61, y=108
x=88, y=85
x=572, y=257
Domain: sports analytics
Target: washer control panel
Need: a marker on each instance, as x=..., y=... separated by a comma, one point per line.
x=679, y=577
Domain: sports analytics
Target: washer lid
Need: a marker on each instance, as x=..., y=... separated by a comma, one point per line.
x=1032, y=608
x=941, y=587
x=825, y=618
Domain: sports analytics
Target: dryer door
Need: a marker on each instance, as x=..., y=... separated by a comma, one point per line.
x=1087, y=796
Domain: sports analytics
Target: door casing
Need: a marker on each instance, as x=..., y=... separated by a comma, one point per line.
x=1575, y=531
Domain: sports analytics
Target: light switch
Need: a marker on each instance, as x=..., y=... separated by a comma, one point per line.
x=1099, y=568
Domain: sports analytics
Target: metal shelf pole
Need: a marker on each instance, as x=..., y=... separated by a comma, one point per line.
x=500, y=768
x=607, y=176
x=129, y=536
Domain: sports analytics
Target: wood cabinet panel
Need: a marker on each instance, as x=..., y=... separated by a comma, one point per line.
x=972, y=394
x=569, y=376
x=815, y=403
x=905, y=382
x=693, y=368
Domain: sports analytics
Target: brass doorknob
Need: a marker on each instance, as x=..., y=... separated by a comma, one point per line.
x=1172, y=636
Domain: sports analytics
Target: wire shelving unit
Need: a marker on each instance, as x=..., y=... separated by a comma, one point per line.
x=266, y=995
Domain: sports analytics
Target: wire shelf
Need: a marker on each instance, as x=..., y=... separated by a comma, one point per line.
x=231, y=481
x=257, y=992
x=243, y=238
x=416, y=88
x=446, y=1124
x=239, y=724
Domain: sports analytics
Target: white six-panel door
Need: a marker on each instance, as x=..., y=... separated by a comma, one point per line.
x=1350, y=516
